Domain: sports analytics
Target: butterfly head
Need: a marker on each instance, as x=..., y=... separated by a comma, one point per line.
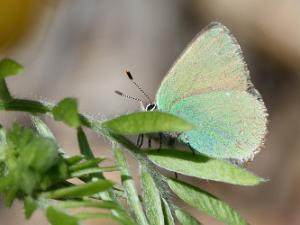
x=147, y=105
x=151, y=107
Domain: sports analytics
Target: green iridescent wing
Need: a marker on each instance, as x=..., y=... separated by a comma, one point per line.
x=211, y=62
x=229, y=124
x=209, y=85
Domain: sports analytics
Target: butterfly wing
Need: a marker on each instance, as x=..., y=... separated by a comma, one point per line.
x=211, y=62
x=209, y=85
x=229, y=124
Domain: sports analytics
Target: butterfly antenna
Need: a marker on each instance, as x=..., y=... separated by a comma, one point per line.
x=128, y=96
x=141, y=90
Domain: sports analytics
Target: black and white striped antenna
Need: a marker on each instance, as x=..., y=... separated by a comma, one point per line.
x=128, y=96
x=138, y=86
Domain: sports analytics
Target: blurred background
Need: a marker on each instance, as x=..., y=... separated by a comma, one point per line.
x=82, y=48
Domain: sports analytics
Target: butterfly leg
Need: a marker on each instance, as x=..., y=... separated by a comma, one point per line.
x=191, y=148
x=140, y=140
x=149, y=142
x=176, y=175
x=160, y=140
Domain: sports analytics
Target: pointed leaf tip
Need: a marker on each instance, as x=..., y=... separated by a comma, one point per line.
x=186, y=219
x=9, y=67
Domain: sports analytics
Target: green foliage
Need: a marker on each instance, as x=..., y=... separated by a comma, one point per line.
x=129, y=186
x=30, y=205
x=206, y=202
x=152, y=200
x=82, y=190
x=185, y=219
x=147, y=122
x=84, y=144
x=9, y=67
x=28, y=158
x=35, y=169
x=66, y=111
x=57, y=217
x=23, y=105
x=202, y=167
x=168, y=217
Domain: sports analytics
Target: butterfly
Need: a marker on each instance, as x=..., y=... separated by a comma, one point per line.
x=209, y=86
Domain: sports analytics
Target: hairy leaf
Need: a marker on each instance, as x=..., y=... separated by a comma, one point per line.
x=81, y=190
x=206, y=202
x=202, y=167
x=147, y=122
x=84, y=144
x=168, y=217
x=129, y=186
x=151, y=199
x=67, y=111
x=58, y=217
x=186, y=219
x=42, y=128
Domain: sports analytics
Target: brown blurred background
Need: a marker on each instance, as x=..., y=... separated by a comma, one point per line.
x=81, y=48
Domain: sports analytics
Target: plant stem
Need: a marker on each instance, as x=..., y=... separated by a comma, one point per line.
x=4, y=92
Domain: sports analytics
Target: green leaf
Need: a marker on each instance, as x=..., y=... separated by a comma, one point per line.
x=40, y=154
x=58, y=217
x=91, y=215
x=129, y=187
x=89, y=204
x=118, y=213
x=90, y=171
x=151, y=199
x=87, y=164
x=9, y=67
x=86, y=189
x=186, y=219
x=24, y=105
x=202, y=167
x=5, y=183
x=30, y=206
x=9, y=196
x=168, y=217
x=35, y=152
x=74, y=159
x=67, y=111
x=44, y=131
x=84, y=144
x=206, y=202
x=28, y=158
x=42, y=128
x=122, y=219
x=147, y=122
x=55, y=175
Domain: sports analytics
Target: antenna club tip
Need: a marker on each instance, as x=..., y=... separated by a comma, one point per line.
x=129, y=74
x=118, y=92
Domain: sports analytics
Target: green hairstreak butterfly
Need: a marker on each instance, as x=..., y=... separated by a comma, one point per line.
x=209, y=85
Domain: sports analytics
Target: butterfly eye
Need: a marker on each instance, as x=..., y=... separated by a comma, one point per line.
x=150, y=107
